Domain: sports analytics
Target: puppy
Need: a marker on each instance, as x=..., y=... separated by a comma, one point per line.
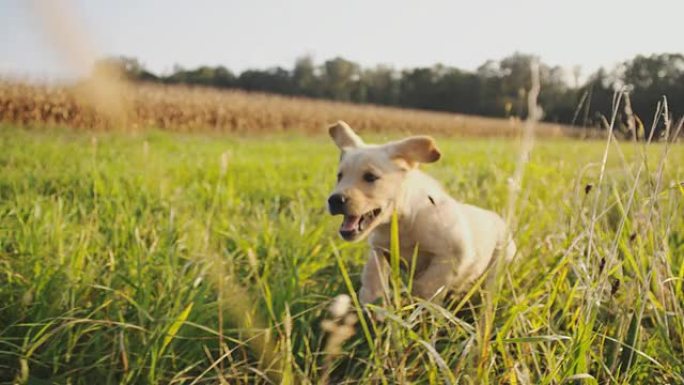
x=455, y=242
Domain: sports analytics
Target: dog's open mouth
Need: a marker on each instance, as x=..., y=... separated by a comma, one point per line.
x=354, y=225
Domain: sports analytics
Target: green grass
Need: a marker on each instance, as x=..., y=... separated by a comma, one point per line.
x=168, y=258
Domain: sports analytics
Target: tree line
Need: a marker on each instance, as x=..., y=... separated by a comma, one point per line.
x=496, y=88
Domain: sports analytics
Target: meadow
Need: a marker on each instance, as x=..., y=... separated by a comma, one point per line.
x=156, y=257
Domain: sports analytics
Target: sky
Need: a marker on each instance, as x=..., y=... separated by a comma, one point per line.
x=267, y=33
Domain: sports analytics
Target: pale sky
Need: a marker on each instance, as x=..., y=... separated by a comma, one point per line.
x=266, y=33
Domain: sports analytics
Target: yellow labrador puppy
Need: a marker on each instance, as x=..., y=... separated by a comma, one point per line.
x=456, y=242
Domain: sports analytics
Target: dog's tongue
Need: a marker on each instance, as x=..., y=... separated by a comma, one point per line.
x=350, y=223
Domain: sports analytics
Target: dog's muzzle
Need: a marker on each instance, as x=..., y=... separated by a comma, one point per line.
x=337, y=204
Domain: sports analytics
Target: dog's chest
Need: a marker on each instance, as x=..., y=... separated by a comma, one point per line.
x=409, y=248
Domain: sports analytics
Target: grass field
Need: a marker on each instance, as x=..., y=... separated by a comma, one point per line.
x=179, y=258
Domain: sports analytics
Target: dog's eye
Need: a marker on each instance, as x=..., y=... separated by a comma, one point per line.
x=370, y=177
x=339, y=176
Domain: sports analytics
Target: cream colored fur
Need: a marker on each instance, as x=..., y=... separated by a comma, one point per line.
x=456, y=242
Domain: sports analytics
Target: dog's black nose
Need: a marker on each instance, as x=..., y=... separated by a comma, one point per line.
x=336, y=204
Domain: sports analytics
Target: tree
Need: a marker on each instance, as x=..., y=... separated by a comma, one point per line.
x=416, y=88
x=339, y=76
x=382, y=85
x=124, y=67
x=305, y=79
x=277, y=80
x=204, y=75
x=496, y=88
x=651, y=78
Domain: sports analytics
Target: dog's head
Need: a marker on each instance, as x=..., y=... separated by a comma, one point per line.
x=370, y=178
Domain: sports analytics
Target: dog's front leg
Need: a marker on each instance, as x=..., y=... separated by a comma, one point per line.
x=373, y=278
x=430, y=281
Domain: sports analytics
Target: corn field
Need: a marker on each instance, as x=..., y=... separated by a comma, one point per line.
x=125, y=106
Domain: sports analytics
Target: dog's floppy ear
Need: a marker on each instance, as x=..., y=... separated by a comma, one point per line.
x=416, y=149
x=344, y=136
